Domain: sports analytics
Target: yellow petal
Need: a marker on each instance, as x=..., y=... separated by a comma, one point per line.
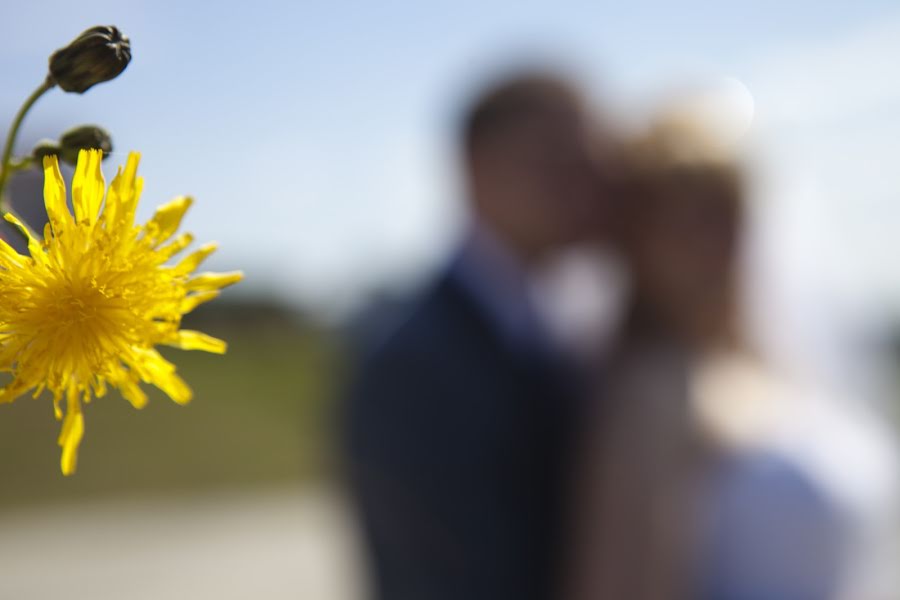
x=155, y=369
x=88, y=186
x=55, y=196
x=175, y=388
x=197, y=340
x=175, y=246
x=12, y=391
x=132, y=392
x=168, y=217
x=190, y=262
x=124, y=193
x=194, y=300
x=214, y=281
x=34, y=246
x=70, y=439
x=9, y=255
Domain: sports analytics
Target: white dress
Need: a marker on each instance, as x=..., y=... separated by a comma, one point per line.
x=688, y=493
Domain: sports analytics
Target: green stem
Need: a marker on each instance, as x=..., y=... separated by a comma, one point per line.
x=5, y=169
x=20, y=164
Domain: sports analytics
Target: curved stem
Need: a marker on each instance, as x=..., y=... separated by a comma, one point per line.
x=11, y=138
x=20, y=164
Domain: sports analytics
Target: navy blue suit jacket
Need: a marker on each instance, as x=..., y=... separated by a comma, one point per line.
x=458, y=446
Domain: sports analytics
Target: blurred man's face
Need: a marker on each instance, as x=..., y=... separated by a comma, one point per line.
x=537, y=184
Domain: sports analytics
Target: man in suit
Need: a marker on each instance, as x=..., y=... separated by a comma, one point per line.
x=461, y=418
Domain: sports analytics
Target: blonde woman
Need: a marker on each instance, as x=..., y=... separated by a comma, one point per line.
x=679, y=497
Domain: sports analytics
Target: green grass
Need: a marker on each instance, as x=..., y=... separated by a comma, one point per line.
x=260, y=414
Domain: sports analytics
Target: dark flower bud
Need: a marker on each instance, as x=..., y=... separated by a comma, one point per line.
x=83, y=137
x=99, y=54
x=44, y=148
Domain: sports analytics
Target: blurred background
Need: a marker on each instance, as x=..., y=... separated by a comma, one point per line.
x=318, y=140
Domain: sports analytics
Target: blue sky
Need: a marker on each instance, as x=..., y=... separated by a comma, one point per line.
x=314, y=135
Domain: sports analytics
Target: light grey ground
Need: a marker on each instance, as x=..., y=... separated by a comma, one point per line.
x=291, y=543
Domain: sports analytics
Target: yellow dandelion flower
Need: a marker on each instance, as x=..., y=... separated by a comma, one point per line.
x=85, y=310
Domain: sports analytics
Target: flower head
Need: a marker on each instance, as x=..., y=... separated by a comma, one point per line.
x=76, y=139
x=44, y=148
x=72, y=142
x=86, y=309
x=99, y=54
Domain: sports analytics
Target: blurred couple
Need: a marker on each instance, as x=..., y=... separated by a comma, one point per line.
x=493, y=457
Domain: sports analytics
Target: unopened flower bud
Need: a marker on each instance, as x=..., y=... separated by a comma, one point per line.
x=83, y=137
x=44, y=148
x=99, y=54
